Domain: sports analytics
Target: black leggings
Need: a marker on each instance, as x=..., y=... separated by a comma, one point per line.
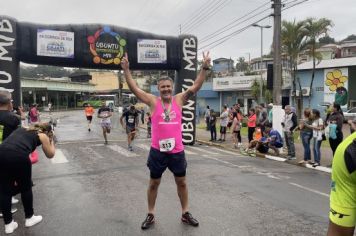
x=238, y=136
x=251, y=130
x=334, y=143
x=15, y=168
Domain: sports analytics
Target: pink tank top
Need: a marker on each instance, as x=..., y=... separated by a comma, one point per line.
x=165, y=130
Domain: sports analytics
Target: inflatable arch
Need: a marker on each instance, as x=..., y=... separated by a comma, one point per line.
x=100, y=47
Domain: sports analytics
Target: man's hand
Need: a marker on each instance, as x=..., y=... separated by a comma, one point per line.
x=125, y=65
x=206, y=60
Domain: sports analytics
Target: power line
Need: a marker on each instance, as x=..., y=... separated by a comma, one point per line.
x=222, y=30
x=194, y=15
x=295, y=4
x=229, y=36
x=202, y=14
x=209, y=14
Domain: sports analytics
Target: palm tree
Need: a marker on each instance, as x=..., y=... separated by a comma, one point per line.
x=293, y=41
x=315, y=29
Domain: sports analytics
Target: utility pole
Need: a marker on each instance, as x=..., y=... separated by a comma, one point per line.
x=277, y=67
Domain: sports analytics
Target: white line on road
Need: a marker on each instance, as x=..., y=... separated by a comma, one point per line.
x=122, y=151
x=309, y=189
x=202, y=150
x=59, y=157
x=99, y=141
x=275, y=158
x=143, y=146
x=224, y=151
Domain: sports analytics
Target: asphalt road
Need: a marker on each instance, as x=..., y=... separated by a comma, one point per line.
x=94, y=189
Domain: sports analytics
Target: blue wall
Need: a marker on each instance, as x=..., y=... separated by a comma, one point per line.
x=317, y=90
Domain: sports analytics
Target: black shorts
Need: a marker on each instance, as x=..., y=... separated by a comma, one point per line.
x=159, y=161
x=129, y=129
x=89, y=118
x=263, y=148
x=222, y=129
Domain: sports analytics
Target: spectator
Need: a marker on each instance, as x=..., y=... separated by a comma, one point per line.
x=148, y=122
x=142, y=115
x=224, y=118
x=306, y=134
x=274, y=139
x=251, y=124
x=336, y=117
x=289, y=124
x=34, y=114
x=236, y=127
x=207, y=117
x=270, y=113
x=318, y=127
x=212, y=125
x=257, y=143
x=352, y=124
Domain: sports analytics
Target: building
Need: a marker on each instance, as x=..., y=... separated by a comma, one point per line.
x=329, y=74
x=223, y=66
x=348, y=49
x=61, y=92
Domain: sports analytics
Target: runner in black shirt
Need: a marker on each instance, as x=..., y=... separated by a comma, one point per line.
x=131, y=123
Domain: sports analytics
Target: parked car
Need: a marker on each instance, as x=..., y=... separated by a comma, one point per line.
x=350, y=114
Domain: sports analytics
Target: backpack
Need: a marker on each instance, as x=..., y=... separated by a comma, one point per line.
x=332, y=131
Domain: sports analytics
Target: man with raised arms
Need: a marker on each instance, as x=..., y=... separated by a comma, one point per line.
x=167, y=150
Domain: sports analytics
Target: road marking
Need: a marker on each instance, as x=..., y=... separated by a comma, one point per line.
x=59, y=157
x=90, y=141
x=275, y=158
x=122, y=151
x=224, y=151
x=310, y=190
x=189, y=152
x=90, y=152
x=202, y=150
x=143, y=146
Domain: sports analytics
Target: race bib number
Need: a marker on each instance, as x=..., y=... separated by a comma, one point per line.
x=131, y=120
x=167, y=145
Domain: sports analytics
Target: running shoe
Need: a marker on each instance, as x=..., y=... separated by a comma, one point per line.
x=89, y=130
x=10, y=228
x=33, y=220
x=148, y=222
x=189, y=219
x=316, y=164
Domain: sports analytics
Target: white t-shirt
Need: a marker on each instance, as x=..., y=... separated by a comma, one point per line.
x=317, y=133
x=224, y=118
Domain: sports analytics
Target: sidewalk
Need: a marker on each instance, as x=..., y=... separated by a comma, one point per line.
x=203, y=136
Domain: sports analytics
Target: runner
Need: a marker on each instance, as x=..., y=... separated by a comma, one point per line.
x=89, y=111
x=15, y=165
x=343, y=189
x=131, y=124
x=167, y=148
x=105, y=113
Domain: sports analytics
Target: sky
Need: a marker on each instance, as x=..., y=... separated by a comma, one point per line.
x=198, y=17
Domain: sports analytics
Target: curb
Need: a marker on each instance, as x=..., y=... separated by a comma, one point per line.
x=270, y=157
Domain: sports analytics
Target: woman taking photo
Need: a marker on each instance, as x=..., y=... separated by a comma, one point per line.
x=15, y=166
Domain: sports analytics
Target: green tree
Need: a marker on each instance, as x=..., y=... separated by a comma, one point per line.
x=315, y=29
x=293, y=42
x=241, y=64
x=326, y=40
